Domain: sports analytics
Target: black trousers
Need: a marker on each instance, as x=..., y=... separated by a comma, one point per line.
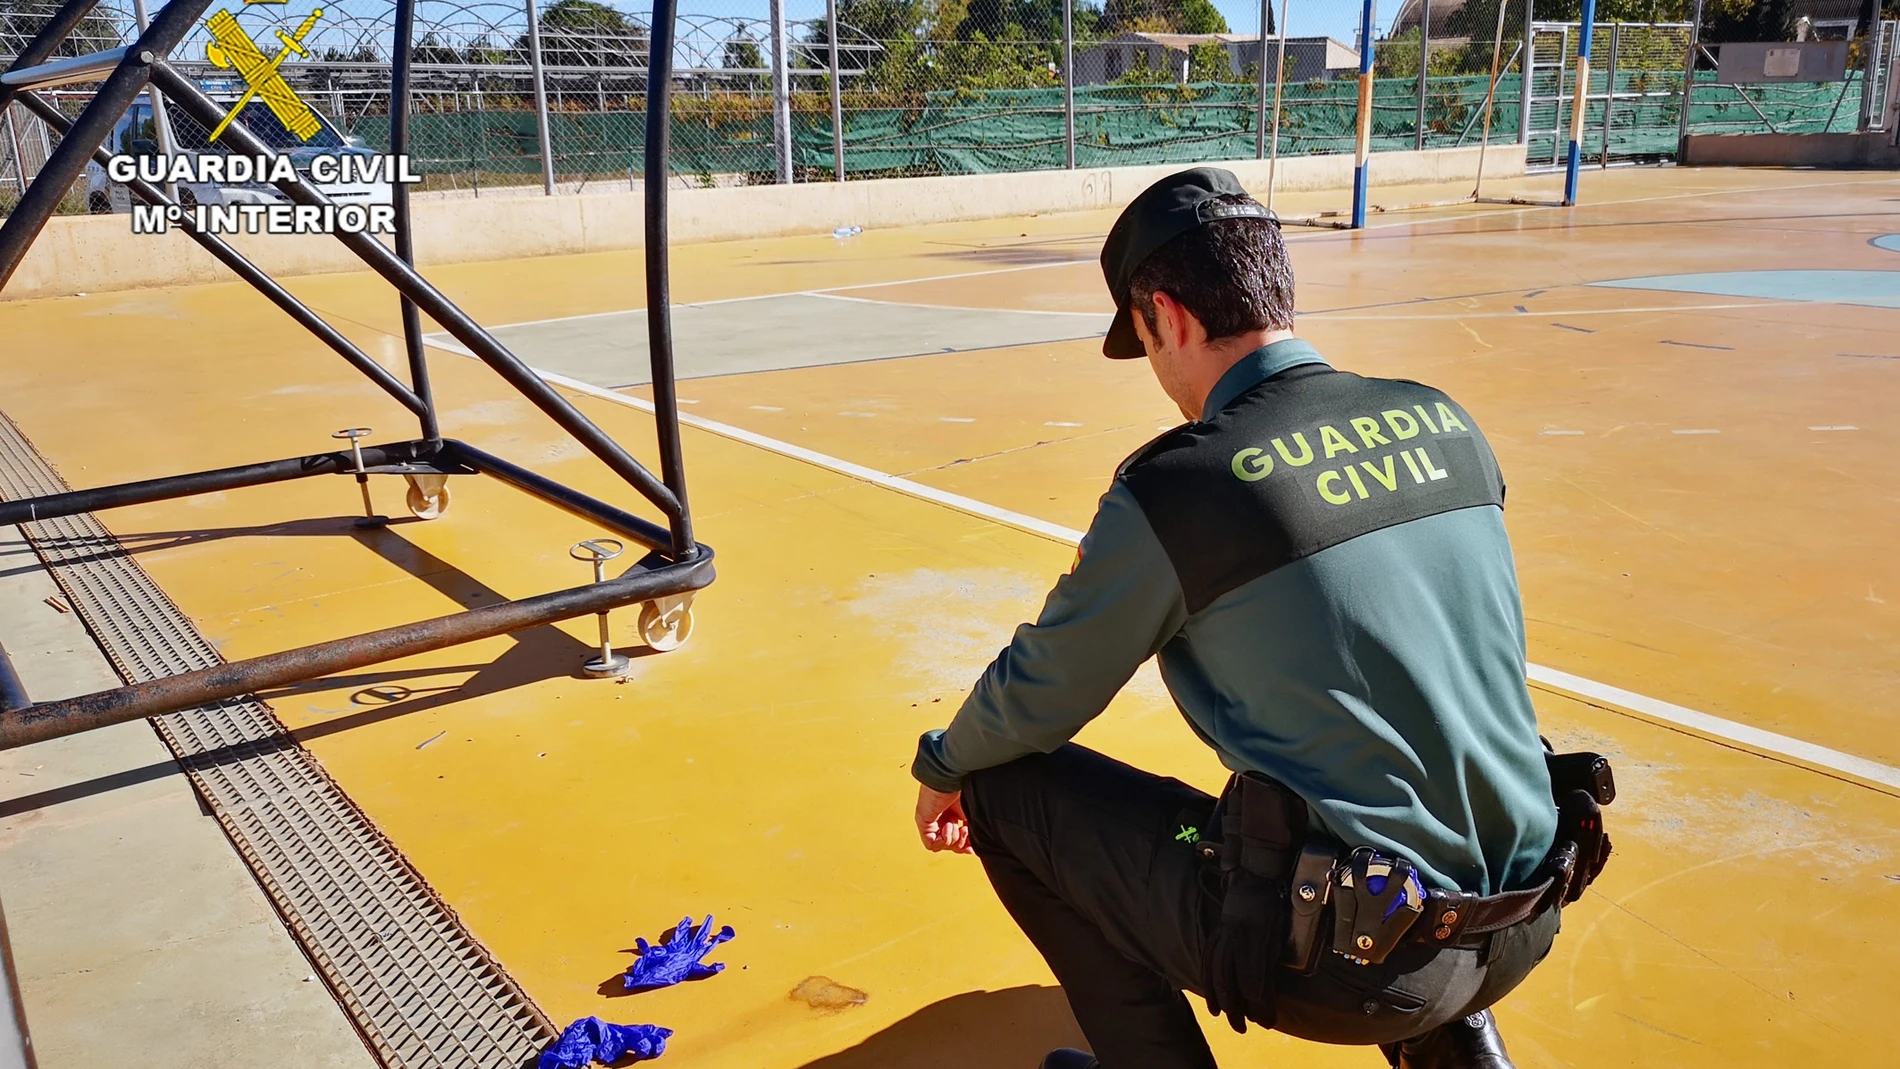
x=1091, y=858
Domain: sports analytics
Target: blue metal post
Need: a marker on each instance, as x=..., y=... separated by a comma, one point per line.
x=1580, y=101
x=1363, y=148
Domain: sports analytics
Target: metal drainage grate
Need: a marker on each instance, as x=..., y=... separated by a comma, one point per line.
x=418, y=986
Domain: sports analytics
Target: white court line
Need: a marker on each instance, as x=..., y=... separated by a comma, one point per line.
x=830, y=296
x=1751, y=737
x=1645, y=707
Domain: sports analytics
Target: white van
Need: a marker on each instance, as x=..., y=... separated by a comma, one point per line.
x=136, y=135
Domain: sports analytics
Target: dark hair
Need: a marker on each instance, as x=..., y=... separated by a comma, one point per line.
x=1232, y=274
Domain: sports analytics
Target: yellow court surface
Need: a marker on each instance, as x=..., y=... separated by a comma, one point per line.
x=1692, y=383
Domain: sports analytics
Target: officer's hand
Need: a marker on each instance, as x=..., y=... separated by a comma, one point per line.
x=941, y=820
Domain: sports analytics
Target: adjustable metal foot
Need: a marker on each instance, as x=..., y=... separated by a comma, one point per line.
x=598, y=551
x=370, y=519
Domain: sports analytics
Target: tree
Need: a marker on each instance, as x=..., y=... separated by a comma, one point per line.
x=21, y=21
x=1200, y=16
x=1748, y=20
x=1164, y=16
x=588, y=33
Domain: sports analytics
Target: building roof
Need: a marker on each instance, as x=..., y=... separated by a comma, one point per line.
x=1181, y=42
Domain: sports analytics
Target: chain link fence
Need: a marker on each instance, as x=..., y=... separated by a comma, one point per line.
x=927, y=87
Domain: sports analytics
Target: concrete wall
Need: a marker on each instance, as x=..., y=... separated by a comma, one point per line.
x=80, y=254
x=1875, y=150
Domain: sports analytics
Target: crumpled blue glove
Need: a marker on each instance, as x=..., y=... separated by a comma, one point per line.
x=591, y=1039
x=676, y=959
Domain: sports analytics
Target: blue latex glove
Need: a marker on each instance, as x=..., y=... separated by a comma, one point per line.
x=591, y=1039
x=676, y=959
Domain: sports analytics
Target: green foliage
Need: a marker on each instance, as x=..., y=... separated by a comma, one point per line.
x=1397, y=57
x=1200, y=16
x=1748, y=20
x=588, y=33
x=1209, y=62
x=1163, y=16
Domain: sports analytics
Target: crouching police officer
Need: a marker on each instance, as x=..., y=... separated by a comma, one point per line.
x=1319, y=562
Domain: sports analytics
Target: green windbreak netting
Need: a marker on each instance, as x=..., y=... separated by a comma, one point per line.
x=992, y=131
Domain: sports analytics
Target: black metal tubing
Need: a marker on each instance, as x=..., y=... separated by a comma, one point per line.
x=41, y=47
x=52, y=720
x=249, y=272
x=12, y=691
x=620, y=521
x=666, y=410
x=399, y=107
x=73, y=502
x=412, y=285
x=42, y=196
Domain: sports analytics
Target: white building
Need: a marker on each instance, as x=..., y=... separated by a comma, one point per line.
x=1308, y=58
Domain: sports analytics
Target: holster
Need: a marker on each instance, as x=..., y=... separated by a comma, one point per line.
x=1581, y=784
x=1262, y=826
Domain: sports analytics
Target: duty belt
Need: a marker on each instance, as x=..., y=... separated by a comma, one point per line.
x=1463, y=919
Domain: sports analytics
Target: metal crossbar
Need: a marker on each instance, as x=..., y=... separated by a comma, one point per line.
x=678, y=565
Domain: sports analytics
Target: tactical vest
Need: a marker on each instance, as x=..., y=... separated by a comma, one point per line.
x=1305, y=460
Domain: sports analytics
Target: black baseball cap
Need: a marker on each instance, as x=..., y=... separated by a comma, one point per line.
x=1164, y=211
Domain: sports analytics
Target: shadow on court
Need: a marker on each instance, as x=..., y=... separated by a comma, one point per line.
x=1004, y=1029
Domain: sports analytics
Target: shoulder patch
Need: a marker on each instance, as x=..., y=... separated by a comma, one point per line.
x=1298, y=465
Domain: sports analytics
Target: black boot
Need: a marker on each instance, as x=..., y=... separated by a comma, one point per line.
x=1470, y=1042
x=1070, y=1058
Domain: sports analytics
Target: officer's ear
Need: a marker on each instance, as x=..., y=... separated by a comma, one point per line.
x=1174, y=326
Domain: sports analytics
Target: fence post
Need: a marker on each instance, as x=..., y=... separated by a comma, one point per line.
x=837, y=92
x=1260, y=122
x=19, y=157
x=1362, y=147
x=1609, y=91
x=1279, y=92
x=161, y=122
x=541, y=101
x=1870, y=65
x=1524, y=69
x=781, y=96
x=1688, y=81
x=1068, y=84
x=1424, y=61
x=1580, y=102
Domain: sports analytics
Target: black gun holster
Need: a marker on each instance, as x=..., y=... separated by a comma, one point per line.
x=1262, y=826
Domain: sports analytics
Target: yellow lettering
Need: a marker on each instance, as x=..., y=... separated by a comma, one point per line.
x=1252, y=465
x=1388, y=478
x=1417, y=476
x=1306, y=451
x=1353, y=475
x=1420, y=409
x=1334, y=441
x=1436, y=473
x=1401, y=422
x=1368, y=429
x=1337, y=497
x=1449, y=419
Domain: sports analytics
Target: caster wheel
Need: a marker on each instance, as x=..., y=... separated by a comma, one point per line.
x=666, y=623
x=428, y=496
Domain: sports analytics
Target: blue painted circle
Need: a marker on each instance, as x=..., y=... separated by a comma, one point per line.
x=1890, y=242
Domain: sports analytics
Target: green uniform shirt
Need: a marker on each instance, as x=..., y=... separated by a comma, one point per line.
x=1382, y=678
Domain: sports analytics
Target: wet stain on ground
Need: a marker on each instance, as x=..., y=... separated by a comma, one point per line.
x=826, y=995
